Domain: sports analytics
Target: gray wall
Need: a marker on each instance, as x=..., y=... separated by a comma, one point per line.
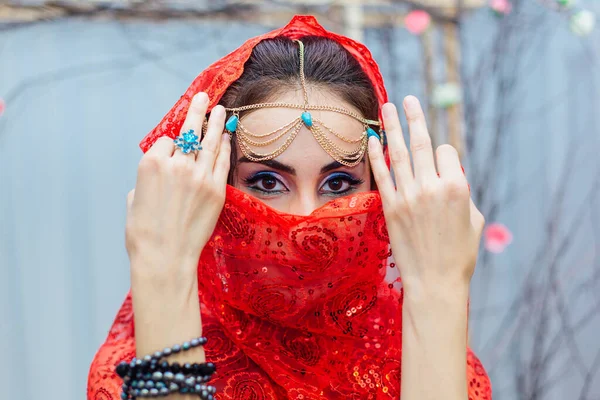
x=80, y=95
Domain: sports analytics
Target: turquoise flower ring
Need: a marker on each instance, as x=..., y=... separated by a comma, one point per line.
x=188, y=142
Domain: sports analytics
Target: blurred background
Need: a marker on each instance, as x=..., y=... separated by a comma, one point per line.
x=513, y=84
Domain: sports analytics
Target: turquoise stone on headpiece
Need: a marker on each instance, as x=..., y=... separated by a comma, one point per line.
x=232, y=123
x=371, y=132
x=307, y=119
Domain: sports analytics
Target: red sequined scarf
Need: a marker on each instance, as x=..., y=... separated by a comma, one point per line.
x=293, y=307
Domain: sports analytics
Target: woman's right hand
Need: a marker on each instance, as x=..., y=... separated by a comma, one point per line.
x=177, y=200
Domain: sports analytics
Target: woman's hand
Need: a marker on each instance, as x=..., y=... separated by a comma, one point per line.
x=434, y=231
x=171, y=216
x=434, y=227
x=178, y=199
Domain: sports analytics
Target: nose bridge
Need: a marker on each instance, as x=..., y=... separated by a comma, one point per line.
x=305, y=202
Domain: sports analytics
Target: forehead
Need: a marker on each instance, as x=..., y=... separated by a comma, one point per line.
x=267, y=120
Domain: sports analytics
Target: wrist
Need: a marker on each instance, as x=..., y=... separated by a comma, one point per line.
x=435, y=295
x=171, y=277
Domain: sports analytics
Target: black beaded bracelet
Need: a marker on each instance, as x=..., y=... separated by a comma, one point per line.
x=151, y=376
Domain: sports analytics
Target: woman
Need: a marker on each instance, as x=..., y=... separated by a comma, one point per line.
x=295, y=288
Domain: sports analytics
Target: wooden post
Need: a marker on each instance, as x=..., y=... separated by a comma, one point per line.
x=427, y=44
x=454, y=113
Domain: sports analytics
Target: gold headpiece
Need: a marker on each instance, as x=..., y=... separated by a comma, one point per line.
x=288, y=132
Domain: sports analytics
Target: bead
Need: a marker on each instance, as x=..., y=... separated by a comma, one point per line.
x=183, y=390
x=149, y=384
x=186, y=346
x=204, y=393
x=194, y=342
x=143, y=367
x=164, y=391
x=206, y=369
x=232, y=123
x=135, y=393
x=168, y=376
x=147, y=358
x=141, y=384
x=164, y=366
x=124, y=396
x=307, y=119
x=186, y=368
x=122, y=369
x=160, y=385
x=191, y=381
x=179, y=377
x=173, y=387
x=153, y=392
x=202, y=341
x=176, y=348
x=212, y=389
x=157, y=376
x=158, y=354
x=167, y=351
x=175, y=367
x=144, y=392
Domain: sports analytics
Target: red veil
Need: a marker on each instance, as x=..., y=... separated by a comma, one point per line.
x=293, y=307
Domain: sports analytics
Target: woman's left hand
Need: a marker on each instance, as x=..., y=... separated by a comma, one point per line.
x=433, y=225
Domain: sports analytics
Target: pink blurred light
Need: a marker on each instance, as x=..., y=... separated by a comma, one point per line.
x=497, y=237
x=2, y=106
x=417, y=21
x=501, y=6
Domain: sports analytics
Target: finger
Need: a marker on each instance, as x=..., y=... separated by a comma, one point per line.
x=448, y=164
x=162, y=148
x=212, y=139
x=399, y=156
x=130, y=196
x=222, y=163
x=381, y=173
x=194, y=119
x=420, y=141
x=477, y=218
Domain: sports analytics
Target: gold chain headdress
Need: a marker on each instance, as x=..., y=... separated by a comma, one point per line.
x=288, y=132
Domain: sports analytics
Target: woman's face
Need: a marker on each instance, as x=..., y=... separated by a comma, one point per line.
x=304, y=176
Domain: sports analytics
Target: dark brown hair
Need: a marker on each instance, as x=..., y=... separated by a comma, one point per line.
x=274, y=66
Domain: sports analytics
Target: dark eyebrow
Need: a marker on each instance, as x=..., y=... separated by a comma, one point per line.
x=272, y=164
x=335, y=165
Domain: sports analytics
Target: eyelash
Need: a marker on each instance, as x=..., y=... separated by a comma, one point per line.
x=253, y=179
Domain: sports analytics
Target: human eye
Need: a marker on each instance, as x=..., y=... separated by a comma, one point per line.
x=339, y=184
x=267, y=183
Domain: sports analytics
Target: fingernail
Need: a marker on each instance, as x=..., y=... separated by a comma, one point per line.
x=201, y=97
x=388, y=110
x=218, y=110
x=411, y=103
x=372, y=133
x=373, y=142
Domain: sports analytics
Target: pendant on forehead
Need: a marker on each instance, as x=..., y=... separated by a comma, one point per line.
x=307, y=119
